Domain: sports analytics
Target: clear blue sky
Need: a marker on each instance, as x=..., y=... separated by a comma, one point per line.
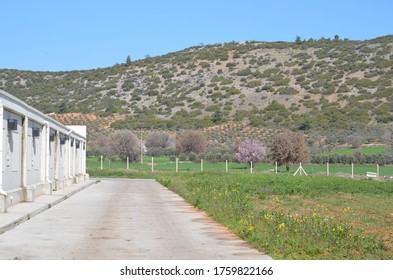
x=52, y=35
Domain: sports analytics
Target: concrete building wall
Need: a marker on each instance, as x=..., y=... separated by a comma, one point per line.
x=36, y=153
x=62, y=161
x=33, y=153
x=52, y=154
x=12, y=151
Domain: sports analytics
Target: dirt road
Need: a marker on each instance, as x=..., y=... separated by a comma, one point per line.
x=123, y=219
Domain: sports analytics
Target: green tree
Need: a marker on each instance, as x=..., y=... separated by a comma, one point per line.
x=216, y=118
x=128, y=61
x=298, y=40
x=62, y=107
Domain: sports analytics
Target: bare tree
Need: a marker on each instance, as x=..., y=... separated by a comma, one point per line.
x=124, y=143
x=289, y=148
x=159, y=140
x=191, y=142
x=355, y=141
x=387, y=137
x=250, y=151
x=100, y=146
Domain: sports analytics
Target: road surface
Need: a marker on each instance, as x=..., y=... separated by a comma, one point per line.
x=118, y=219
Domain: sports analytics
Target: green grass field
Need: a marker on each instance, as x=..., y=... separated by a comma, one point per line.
x=364, y=151
x=164, y=164
x=297, y=217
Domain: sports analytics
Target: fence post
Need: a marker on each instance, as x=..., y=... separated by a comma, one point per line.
x=101, y=162
x=352, y=171
x=327, y=169
x=177, y=165
x=128, y=163
x=251, y=167
x=152, y=164
x=201, y=165
x=226, y=166
x=276, y=167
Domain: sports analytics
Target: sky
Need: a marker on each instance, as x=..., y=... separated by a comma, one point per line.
x=62, y=35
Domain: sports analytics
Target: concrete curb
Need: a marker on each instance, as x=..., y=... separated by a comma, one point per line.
x=24, y=211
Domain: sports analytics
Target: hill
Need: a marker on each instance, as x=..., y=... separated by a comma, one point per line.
x=329, y=88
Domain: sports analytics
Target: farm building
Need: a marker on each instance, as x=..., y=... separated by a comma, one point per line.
x=38, y=154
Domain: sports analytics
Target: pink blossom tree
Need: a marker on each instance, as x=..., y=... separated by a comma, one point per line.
x=250, y=151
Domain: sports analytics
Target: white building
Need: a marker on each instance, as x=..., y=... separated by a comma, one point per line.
x=38, y=154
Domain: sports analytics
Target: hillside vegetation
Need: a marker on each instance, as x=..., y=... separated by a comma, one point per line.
x=329, y=88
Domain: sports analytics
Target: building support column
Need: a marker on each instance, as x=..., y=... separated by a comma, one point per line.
x=43, y=150
x=84, y=158
x=73, y=161
x=28, y=193
x=47, y=157
x=3, y=194
x=56, y=150
x=69, y=151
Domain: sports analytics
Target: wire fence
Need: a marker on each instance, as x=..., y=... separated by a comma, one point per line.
x=154, y=164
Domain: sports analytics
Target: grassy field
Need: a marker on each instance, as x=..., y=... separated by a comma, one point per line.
x=164, y=164
x=297, y=217
x=364, y=151
x=313, y=217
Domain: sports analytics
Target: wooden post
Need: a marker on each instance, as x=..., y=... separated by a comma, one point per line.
x=102, y=158
x=201, y=165
x=251, y=167
x=128, y=163
x=276, y=167
x=327, y=169
x=177, y=165
x=352, y=171
x=226, y=166
x=141, y=148
x=152, y=164
x=300, y=170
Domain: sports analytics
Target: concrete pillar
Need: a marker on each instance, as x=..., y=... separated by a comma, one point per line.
x=43, y=153
x=28, y=193
x=3, y=194
x=74, y=159
x=45, y=160
x=57, y=151
x=24, y=151
x=73, y=151
x=69, y=150
x=84, y=158
x=83, y=151
x=79, y=151
x=47, y=152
